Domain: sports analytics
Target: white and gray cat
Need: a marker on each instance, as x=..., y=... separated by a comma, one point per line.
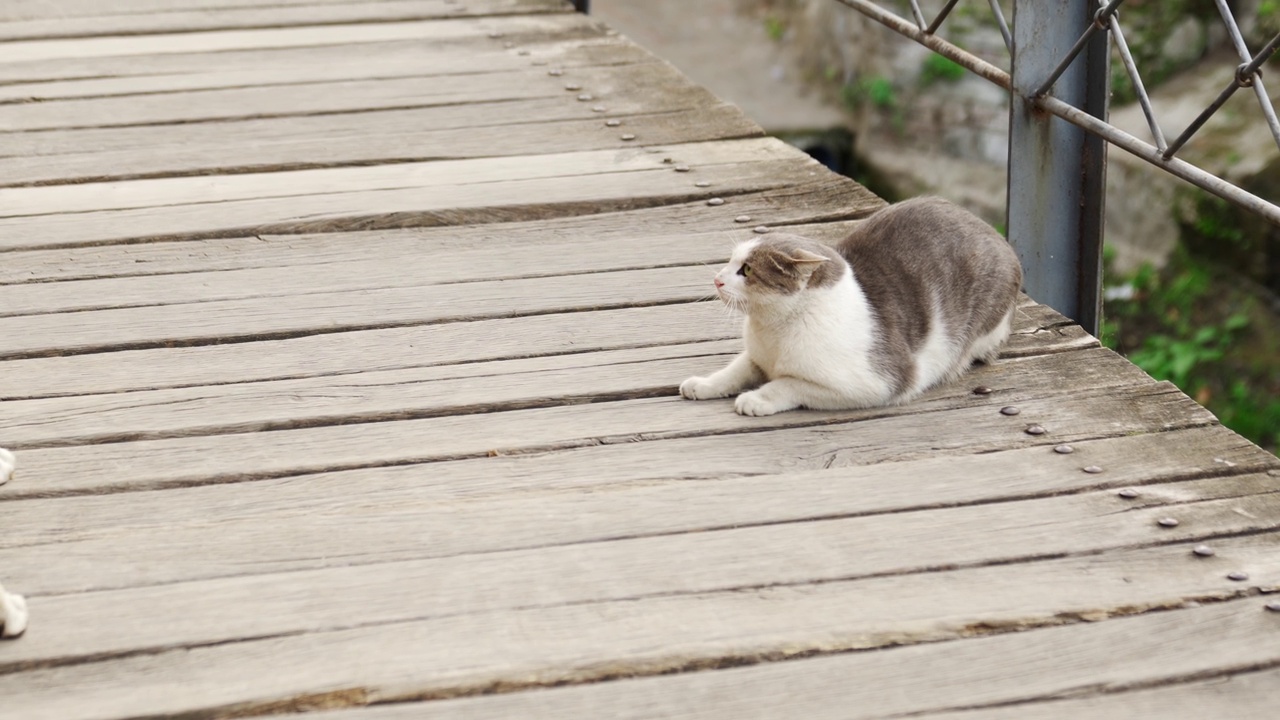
x=13, y=608
x=909, y=300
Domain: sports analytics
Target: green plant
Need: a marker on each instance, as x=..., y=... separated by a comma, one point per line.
x=937, y=69
x=775, y=27
x=1190, y=325
x=876, y=90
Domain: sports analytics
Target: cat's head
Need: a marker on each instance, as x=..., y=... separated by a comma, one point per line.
x=766, y=271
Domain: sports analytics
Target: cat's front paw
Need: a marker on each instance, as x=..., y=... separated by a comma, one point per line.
x=7, y=464
x=756, y=404
x=13, y=614
x=700, y=388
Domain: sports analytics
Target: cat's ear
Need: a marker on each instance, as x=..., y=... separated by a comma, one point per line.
x=806, y=260
x=801, y=256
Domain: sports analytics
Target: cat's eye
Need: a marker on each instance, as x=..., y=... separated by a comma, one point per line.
x=745, y=270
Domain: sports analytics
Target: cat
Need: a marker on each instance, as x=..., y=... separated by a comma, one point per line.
x=13, y=608
x=909, y=300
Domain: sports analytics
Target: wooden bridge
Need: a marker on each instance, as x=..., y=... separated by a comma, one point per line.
x=338, y=348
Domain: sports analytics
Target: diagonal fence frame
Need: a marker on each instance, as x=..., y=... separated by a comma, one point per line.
x=1055, y=207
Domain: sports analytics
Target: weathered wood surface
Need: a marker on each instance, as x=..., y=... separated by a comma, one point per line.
x=339, y=344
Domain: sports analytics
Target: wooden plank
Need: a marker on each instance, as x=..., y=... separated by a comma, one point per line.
x=34, y=9
x=396, y=195
x=843, y=490
x=1217, y=641
x=827, y=199
x=111, y=20
x=333, y=140
x=571, y=49
x=150, y=464
x=539, y=646
x=1247, y=694
x=238, y=605
x=564, y=40
x=370, y=350
x=439, y=177
x=365, y=350
x=181, y=43
x=311, y=98
x=181, y=535
x=444, y=390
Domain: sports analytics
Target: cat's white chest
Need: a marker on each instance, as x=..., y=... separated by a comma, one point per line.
x=823, y=340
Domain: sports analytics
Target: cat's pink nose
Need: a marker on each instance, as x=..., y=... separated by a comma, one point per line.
x=719, y=283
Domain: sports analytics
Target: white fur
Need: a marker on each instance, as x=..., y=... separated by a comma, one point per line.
x=812, y=348
x=7, y=464
x=936, y=359
x=13, y=614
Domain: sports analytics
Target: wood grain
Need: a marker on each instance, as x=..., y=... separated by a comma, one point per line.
x=1214, y=641
x=75, y=20
x=536, y=646
x=810, y=439
x=409, y=194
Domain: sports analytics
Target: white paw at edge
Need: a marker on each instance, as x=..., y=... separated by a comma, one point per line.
x=698, y=388
x=13, y=614
x=7, y=464
x=754, y=403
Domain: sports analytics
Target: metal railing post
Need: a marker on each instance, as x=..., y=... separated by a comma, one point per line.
x=582, y=6
x=1057, y=171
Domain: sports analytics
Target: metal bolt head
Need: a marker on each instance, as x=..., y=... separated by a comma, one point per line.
x=1167, y=522
x=1035, y=430
x=1128, y=493
x=572, y=86
x=1092, y=469
x=761, y=229
x=713, y=202
x=702, y=183
x=598, y=108
x=1203, y=551
x=1273, y=606
x=628, y=136
x=1238, y=576
x=1064, y=449
x=613, y=123
x=1009, y=410
x=682, y=168
x=555, y=72
x=742, y=219
x=585, y=97
x=982, y=390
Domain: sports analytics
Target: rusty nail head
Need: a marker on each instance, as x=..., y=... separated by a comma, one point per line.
x=1092, y=469
x=1009, y=410
x=1203, y=551
x=1035, y=430
x=1237, y=576
x=1128, y=493
x=982, y=390
x=1064, y=449
x=761, y=229
x=1167, y=522
x=742, y=219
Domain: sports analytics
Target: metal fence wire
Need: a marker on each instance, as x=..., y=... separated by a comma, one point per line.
x=1059, y=59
